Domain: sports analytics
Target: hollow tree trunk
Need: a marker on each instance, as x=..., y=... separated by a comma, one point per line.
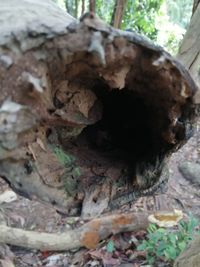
x=85, y=108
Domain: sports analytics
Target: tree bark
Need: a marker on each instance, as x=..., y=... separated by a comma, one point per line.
x=83, y=7
x=92, y=6
x=85, y=108
x=118, y=12
x=195, y=5
x=189, y=52
x=76, y=8
x=189, y=55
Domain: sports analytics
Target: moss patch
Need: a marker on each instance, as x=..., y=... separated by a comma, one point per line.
x=63, y=157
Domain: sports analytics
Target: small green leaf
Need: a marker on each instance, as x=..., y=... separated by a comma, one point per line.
x=160, y=249
x=142, y=246
x=170, y=253
x=161, y=230
x=182, y=245
x=172, y=237
x=110, y=246
x=62, y=156
x=166, y=244
x=151, y=260
x=76, y=172
x=152, y=228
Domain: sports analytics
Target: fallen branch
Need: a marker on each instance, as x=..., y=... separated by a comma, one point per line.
x=87, y=235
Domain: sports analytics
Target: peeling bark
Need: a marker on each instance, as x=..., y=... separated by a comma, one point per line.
x=85, y=107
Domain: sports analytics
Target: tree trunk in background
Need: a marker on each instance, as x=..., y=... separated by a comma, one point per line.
x=195, y=4
x=76, y=9
x=92, y=6
x=83, y=7
x=189, y=52
x=72, y=7
x=118, y=12
x=68, y=7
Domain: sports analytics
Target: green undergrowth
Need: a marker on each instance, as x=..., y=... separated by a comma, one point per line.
x=166, y=244
x=72, y=171
x=67, y=160
x=63, y=157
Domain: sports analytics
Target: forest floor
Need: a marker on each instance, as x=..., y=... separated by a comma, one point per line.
x=34, y=215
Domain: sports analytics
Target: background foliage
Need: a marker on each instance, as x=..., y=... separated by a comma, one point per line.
x=163, y=21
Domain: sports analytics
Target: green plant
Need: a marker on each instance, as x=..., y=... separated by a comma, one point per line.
x=140, y=16
x=62, y=156
x=165, y=244
x=110, y=246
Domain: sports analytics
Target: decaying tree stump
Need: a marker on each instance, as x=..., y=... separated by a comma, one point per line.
x=86, y=110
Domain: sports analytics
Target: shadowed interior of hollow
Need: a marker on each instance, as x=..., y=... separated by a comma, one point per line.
x=128, y=132
x=125, y=128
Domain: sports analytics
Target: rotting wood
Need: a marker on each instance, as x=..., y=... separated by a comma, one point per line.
x=85, y=106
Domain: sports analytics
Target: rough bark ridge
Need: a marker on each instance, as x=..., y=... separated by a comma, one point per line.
x=86, y=110
x=189, y=55
x=189, y=52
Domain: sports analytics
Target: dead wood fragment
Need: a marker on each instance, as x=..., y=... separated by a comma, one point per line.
x=89, y=235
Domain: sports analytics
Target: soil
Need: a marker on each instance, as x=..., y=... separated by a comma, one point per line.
x=34, y=215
